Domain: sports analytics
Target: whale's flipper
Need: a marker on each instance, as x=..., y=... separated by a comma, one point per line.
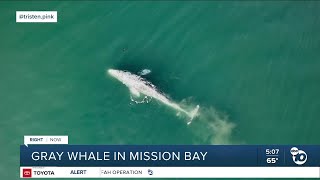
x=144, y=72
x=193, y=114
x=134, y=92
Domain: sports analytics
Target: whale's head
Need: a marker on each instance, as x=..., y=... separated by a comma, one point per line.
x=118, y=74
x=124, y=76
x=114, y=73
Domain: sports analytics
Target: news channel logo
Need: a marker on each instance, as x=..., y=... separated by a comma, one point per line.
x=150, y=172
x=298, y=156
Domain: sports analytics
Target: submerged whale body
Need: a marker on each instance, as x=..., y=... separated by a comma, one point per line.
x=138, y=85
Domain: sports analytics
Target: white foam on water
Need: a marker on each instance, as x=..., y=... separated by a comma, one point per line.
x=146, y=99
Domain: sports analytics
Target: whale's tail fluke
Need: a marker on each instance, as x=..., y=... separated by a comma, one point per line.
x=193, y=114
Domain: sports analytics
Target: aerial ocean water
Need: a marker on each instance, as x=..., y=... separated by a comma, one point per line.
x=253, y=67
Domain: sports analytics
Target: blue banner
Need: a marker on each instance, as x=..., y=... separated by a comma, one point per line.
x=170, y=155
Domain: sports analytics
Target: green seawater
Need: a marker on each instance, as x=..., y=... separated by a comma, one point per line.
x=253, y=67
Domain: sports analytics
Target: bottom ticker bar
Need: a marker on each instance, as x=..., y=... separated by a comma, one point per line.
x=169, y=172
